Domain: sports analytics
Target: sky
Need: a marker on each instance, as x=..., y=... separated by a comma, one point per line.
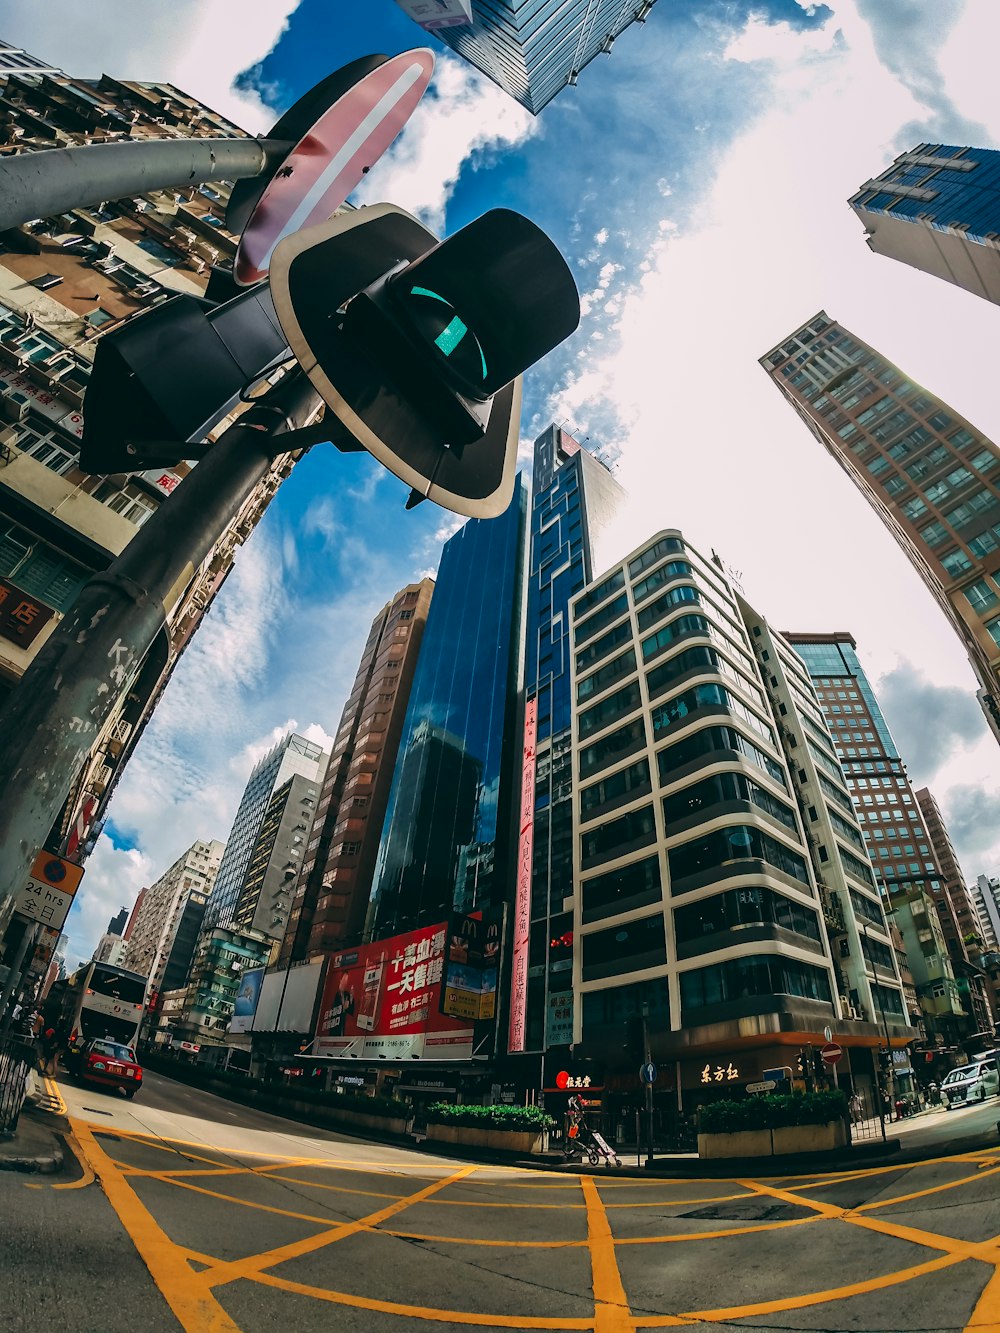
x=696, y=182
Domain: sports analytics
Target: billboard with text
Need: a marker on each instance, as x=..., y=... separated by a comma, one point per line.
x=383, y=1000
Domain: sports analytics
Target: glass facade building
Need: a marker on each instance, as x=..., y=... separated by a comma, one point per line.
x=937, y=208
x=534, y=50
x=575, y=501
x=930, y=475
x=447, y=837
x=896, y=836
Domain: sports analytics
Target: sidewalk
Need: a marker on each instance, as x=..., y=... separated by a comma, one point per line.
x=35, y=1146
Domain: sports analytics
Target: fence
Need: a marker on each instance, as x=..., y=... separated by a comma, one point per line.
x=17, y=1058
x=866, y=1124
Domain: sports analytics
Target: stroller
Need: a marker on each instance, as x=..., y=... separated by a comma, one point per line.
x=582, y=1140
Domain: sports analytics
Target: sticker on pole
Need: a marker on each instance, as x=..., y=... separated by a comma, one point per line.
x=331, y=158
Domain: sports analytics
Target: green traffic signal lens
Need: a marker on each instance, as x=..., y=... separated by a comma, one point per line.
x=436, y=319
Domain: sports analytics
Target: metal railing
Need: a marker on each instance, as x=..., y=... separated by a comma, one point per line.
x=17, y=1059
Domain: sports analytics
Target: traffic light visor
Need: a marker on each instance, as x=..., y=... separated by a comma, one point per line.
x=489, y=301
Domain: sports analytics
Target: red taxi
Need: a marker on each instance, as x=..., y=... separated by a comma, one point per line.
x=107, y=1062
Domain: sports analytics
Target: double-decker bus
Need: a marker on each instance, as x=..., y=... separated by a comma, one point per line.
x=104, y=1001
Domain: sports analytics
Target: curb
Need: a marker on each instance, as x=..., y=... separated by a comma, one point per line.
x=42, y=1166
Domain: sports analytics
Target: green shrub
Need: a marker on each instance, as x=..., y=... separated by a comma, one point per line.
x=775, y=1112
x=516, y=1118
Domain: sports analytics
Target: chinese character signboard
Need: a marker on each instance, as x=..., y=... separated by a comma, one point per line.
x=21, y=616
x=471, y=964
x=44, y=402
x=383, y=999
x=559, y=1019
x=727, y=1073
x=522, y=901
x=48, y=894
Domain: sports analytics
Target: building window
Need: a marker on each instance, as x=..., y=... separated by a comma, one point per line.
x=721, y=789
x=744, y=978
x=981, y=595
x=711, y=739
x=129, y=501
x=735, y=910
x=617, y=836
x=625, y=948
x=956, y=563
x=727, y=847
x=621, y=890
x=609, y=749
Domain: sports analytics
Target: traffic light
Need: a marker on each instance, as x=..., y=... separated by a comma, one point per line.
x=418, y=345
x=819, y=1067
x=801, y=1064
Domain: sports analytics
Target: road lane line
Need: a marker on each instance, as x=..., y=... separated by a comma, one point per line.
x=195, y=1308
x=986, y=1314
x=254, y=1264
x=981, y=1174
x=611, y=1309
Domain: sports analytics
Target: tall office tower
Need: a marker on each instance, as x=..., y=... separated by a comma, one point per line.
x=937, y=208
x=574, y=505
x=932, y=478
x=331, y=895
x=959, y=919
x=161, y=920
x=265, y=900
x=292, y=755
x=448, y=835
x=722, y=884
x=531, y=51
x=899, y=844
x=64, y=282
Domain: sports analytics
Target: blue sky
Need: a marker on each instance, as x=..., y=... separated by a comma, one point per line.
x=696, y=180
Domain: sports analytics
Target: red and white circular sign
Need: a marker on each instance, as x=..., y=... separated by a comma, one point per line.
x=330, y=160
x=831, y=1053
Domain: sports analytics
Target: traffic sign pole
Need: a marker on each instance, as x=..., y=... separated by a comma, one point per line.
x=50, y=722
x=43, y=184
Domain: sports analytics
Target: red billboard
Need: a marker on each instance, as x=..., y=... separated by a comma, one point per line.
x=517, y=1034
x=383, y=999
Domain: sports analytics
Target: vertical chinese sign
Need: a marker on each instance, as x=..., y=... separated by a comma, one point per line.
x=522, y=901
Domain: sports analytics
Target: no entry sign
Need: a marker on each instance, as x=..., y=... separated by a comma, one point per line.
x=331, y=157
x=831, y=1053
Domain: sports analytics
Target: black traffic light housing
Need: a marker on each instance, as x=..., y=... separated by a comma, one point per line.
x=802, y=1064
x=417, y=345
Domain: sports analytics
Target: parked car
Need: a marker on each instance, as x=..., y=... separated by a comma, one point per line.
x=108, y=1063
x=971, y=1083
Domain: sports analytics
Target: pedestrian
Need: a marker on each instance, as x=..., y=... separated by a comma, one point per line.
x=856, y=1109
x=49, y=1052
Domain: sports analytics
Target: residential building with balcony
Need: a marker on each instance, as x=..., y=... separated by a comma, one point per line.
x=160, y=930
x=721, y=883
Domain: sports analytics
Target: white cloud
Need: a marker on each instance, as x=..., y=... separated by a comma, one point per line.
x=462, y=116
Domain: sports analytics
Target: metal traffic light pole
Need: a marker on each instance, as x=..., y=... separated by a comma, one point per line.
x=55, y=180
x=50, y=722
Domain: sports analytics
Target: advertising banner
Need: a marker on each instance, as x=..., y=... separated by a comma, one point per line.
x=559, y=1019
x=246, y=1000
x=383, y=1000
x=471, y=966
x=522, y=901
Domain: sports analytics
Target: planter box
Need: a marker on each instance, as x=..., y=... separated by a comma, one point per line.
x=499, y=1140
x=774, y=1142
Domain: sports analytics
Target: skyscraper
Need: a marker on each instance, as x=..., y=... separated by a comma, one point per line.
x=160, y=918
x=533, y=51
x=331, y=896
x=721, y=884
x=937, y=208
x=575, y=502
x=931, y=477
x=897, y=839
x=447, y=836
x=292, y=755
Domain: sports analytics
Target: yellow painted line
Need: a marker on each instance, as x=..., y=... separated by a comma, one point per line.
x=981, y=1174
x=420, y=1311
x=86, y=1174
x=257, y=1263
x=930, y=1240
x=799, y=1302
x=469, y=1240
x=442, y=1203
x=611, y=1309
x=827, y=1210
x=718, y=1235
x=986, y=1315
x=195, y=1308
x=52, y=1088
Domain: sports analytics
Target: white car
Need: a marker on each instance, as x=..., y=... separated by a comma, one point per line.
x=971, y=1083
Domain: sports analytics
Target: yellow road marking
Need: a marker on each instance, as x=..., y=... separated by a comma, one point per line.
x=611, y=1309
x=981, y=1174
x=254, y=1264
x=986, y=1315
x=196, y=1309
x=798, y=1302
x=717, y=1235
x=469, y=1240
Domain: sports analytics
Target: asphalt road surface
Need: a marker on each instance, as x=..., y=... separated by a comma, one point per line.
x=190, y=1212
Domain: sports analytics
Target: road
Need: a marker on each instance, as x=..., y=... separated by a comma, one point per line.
x=193, y=1213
